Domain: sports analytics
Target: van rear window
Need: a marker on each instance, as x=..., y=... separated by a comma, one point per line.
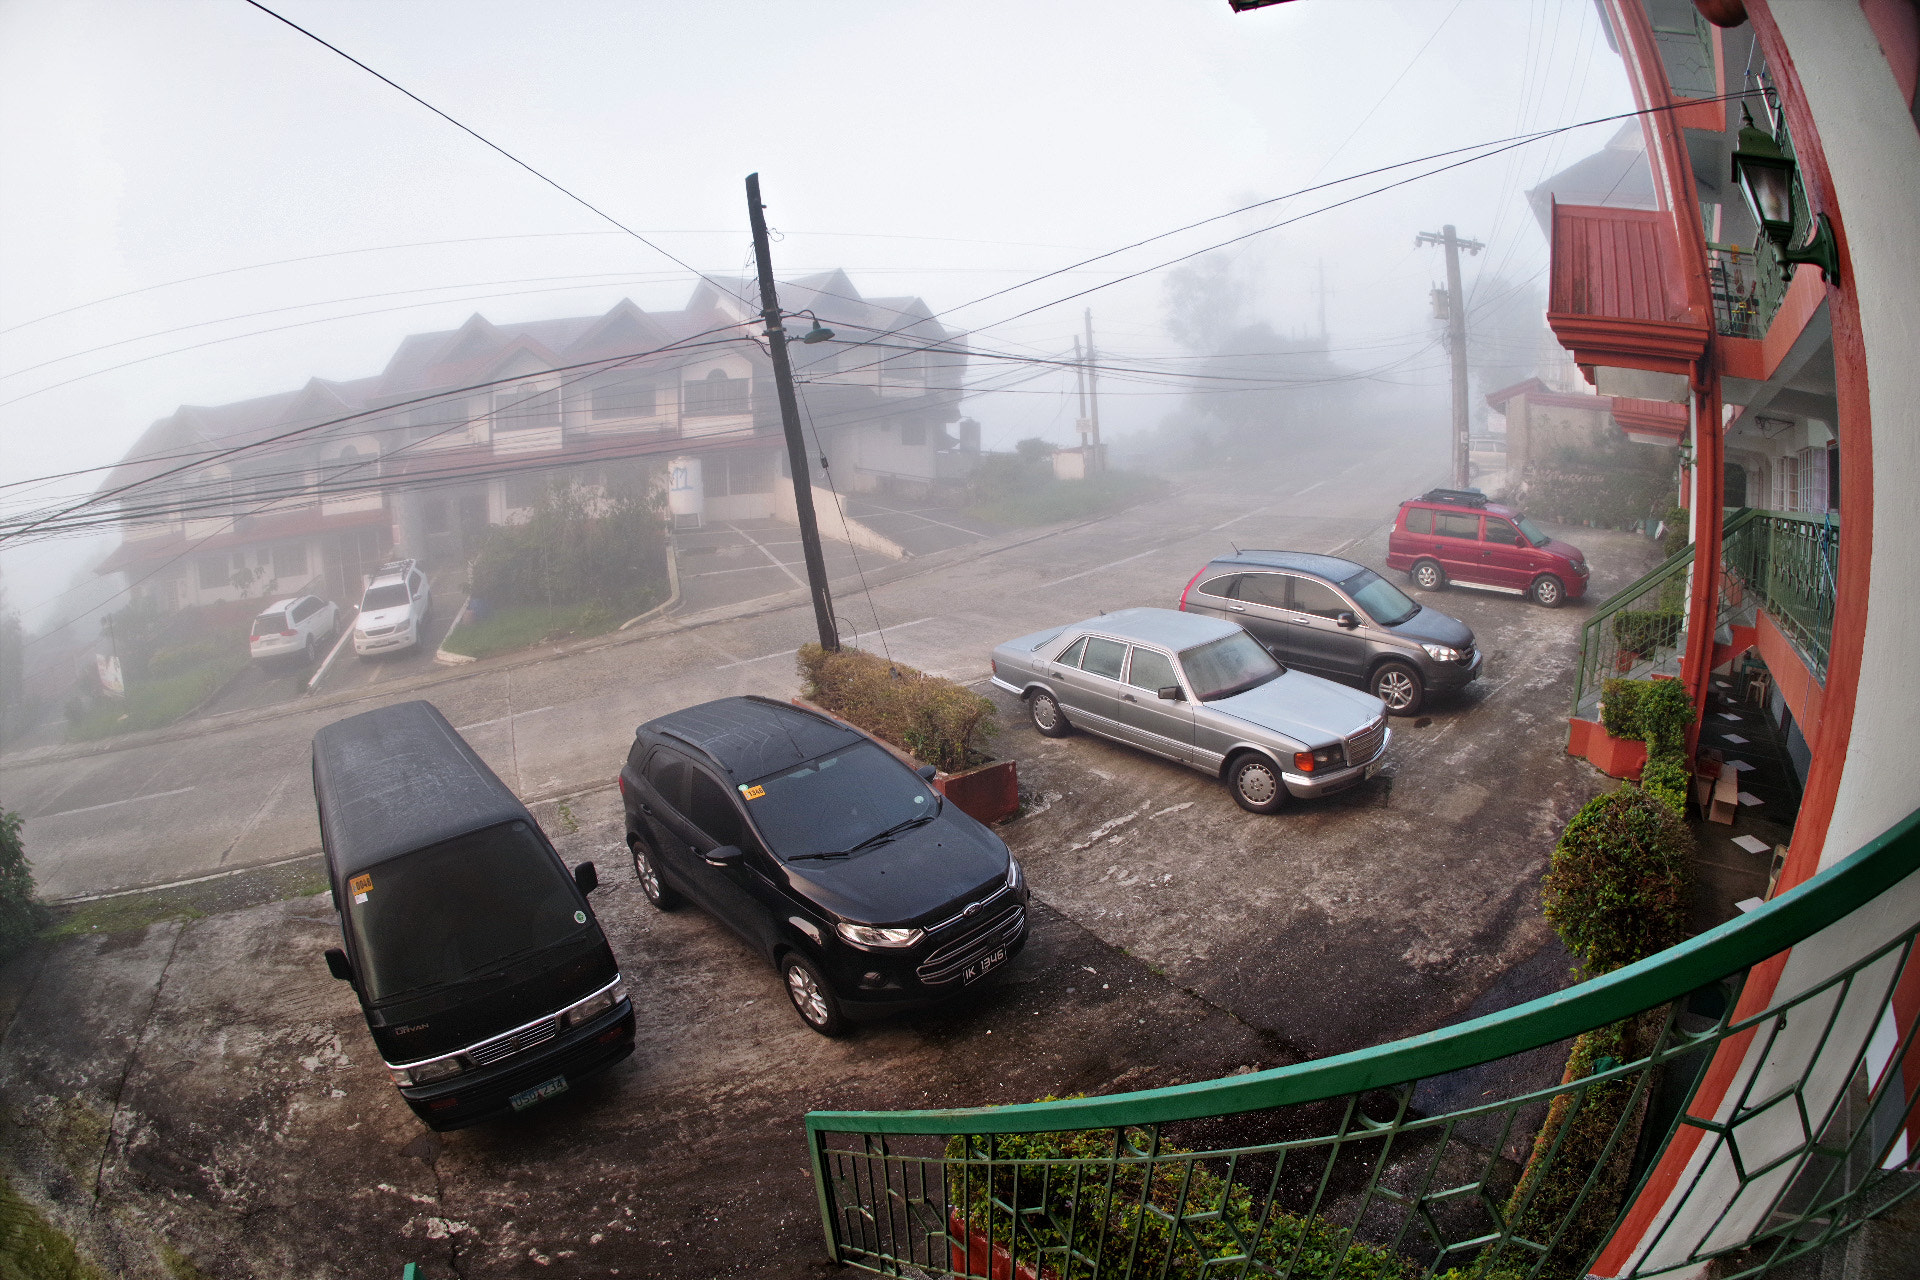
x=459, y=909
x=269, y=624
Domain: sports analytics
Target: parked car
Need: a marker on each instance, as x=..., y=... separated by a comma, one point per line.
x=483, y=974
x=393, y=613
x=1334, y=618
x=299, y=625
x=828, y=855
x=1457, y=535
x=1201, y=691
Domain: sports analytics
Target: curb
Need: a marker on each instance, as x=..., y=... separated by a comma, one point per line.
x=673, y=589
x=446, y=657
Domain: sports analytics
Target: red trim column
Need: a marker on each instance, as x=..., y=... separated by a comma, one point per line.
x=1709, y=479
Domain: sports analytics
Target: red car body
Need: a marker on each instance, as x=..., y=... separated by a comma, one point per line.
x=1458, y=536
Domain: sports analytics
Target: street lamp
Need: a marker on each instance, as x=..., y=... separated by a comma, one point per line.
x=1767, y=175
x=818, y=334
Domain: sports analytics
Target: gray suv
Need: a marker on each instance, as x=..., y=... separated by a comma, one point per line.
x=1340, y=620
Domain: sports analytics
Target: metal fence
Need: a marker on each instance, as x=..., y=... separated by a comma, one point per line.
x=1787, y=561
x=1419, y=1158
x=1748, y=286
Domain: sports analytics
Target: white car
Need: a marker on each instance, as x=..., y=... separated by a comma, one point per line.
x=298, y=626
x=394, y=611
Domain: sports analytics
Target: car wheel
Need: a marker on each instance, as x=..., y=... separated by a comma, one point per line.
x=812, y=998
x=662, y=895
x=1256, y=784
x=1429, y=576
x=1548, y=591
x=312, y=650
x=1399, y=686
x=1047, y=716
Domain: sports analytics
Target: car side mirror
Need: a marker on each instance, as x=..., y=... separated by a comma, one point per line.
x=928, y=772
x=725, y=855
x=1171, y=693
x=585, y=878
x=338, y=965
x=1346, y=619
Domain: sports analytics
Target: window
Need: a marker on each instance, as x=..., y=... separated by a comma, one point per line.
x=1103, y=657
x=626, y=399
x=833, y=803
x=1503, y=533
x=1232, y=664
x=1419, y=520
x=526, y=408
x=1533, y=532
x=270, y=624
x=437, y=419
x=1269, y=589
x=909, y=368
x=1318, y=599
x=717, y=395
x=1071, y=658
x=1456, y=524
x=1150, y=670
x=304, y=609
x=712, y=811
x=1813, y=480
x=667, y=773
x=290, y=560
x=1223, y=587
x=1786, y=483
x=1385, y=603
x=213, y=573
x=388, y=595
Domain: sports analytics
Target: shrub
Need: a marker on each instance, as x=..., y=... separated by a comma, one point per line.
x=1617, y=887
x=1620, y=707
x=1665, y=779
x=21, y=915
x=1665, y=710
x=935, y=719
x=1674, y=540
x=576, y=548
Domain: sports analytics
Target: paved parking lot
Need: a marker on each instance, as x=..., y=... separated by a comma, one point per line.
x=730, y=561
x=920, y=526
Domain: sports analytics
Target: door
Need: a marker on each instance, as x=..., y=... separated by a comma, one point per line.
x=1508, y=557
x=1331, y=649
x=1456, y=543
x=1148, y=720
x=1217, y=597
x=738, y=893
x=663, y=799
x=1264, y=613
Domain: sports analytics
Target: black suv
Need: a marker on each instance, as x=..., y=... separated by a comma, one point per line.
x=1341, y=620
x=837, y=862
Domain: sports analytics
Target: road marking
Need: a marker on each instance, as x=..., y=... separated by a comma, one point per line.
x=892, y=511
x=1099, y=568
x=1309, y=489
x=481, y=724
x=1237, y=519
x=784, y=568
x=272, y=797
x=346, y=634
x=788, y=653
x=67, y=813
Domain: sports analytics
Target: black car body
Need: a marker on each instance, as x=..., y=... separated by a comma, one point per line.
x=484, y=976
x=829, y=856
x=1339, y=620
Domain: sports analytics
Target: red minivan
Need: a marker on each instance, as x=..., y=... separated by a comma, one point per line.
x=1456, y=535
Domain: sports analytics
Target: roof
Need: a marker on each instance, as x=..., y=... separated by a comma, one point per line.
x=1332, y=568
x=752, y=737
x=1169, y=627
x=1618, y=295
x=397, y=779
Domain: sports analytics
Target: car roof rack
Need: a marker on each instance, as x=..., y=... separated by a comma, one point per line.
x=1459, y=497
x=393, y=566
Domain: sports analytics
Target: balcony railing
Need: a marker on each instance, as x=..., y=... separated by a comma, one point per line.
x=1787, y=562
x=1748, y=286
x=1405, y=1160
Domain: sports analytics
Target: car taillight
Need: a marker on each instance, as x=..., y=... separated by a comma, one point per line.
x=289, y=633
x=622, y=780
x=994, y=663
x=1190, y=581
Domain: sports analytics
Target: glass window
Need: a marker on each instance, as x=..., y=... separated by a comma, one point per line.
x=1419, y=520
x=1265, y=588
x=526, y=407
x=1318, y=599
x=716, y=395
x=1533, y=532
x=667, y=774
x=710, y=810
x=1071, y=658
x=1224, y=587
x=1150, y=670
x=1232, y=664
x=270, y=624
x=304, y=610
x=391, y=595
x=914, y=433
x=1385, y=603
x=1501, y=532
x=623, y=399
x=290, y=560
x=1103, y=657
x=1456, y=524
x=831, y=804
x=213, y=573
x=459, y=909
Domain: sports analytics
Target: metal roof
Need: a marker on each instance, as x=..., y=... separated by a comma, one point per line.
x=751, y=737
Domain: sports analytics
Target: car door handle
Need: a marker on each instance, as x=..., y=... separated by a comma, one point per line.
x=646, y=808
x=1236, y=608
x=1127, y=697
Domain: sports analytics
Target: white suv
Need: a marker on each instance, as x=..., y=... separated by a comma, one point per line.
x=293, y=627
x=394, y=611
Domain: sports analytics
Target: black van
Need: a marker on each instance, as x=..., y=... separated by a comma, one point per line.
x=485, y=978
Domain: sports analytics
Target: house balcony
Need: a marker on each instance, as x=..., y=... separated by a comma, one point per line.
x=1618, y=301
x=1785, y=565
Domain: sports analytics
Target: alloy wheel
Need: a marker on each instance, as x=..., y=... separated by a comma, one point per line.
x=806, y=995
x=1395, y=688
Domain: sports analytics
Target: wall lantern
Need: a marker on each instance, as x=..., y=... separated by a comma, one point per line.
x=1766, y=176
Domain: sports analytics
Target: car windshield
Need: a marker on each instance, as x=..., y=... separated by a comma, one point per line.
x=1385, y=603
x=831, y=804
x=269, y=624
x=1533, y=531
x=1232, y=664
x=459, y=909
x=390, y=595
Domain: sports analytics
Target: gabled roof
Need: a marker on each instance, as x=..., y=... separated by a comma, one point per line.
x=1618, y=296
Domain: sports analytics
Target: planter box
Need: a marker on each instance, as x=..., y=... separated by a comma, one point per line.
x=987, y=793
x=1615, y=757
x=970, y=1253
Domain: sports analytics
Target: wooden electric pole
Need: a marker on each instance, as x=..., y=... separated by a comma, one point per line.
x=1456, y=340
x=790, y=422
x=1092, y=458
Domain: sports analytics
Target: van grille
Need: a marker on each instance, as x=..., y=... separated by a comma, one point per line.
x=1365, y=745
x=945, y=963
x=491, y=1051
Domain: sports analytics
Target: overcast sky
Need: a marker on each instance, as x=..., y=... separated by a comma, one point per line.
x=937, y=149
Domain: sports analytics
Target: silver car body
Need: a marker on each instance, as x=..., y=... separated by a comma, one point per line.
x=1293, y=713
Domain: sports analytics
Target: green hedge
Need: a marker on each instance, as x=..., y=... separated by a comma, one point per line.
x=1665, y=709
x=1665, y=779
x=1617, y=888
x=21, y=915
x=576, y=548
x=937, y=720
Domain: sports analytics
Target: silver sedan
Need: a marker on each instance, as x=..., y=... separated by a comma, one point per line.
x=1201, y=691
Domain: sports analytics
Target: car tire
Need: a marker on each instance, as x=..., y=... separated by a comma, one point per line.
x=1256, y=784
x=1428, y=575
x=1044, y=710
x=662, y=895
x=1548, y=591
x=810, y=996
x=312, y=650
x=1399, y=686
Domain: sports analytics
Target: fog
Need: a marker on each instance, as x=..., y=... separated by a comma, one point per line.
x=204, y=205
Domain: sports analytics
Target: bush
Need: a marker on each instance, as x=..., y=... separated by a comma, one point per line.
x=1665, y=710
x=1617, y=888
x=1620, y=707
x=576, y=548
x=1665, y=779
x=21, y=914
x=935, y=719
x=1674, y=540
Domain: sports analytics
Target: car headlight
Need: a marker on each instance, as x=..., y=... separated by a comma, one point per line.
x=427, y=1072
x=866, y=935
x=1308, y=761
x=1015, y=876
x=594, y=1005
x=1441, y=652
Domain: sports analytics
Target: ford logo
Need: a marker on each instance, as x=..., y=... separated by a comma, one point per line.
x=972, y=907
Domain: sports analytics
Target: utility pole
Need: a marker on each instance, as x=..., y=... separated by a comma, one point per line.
x=1081, y=422
x=790, y=422
x=1456, y=340
x=1093, y=403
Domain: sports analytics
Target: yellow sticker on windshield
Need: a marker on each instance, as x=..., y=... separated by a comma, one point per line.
x=754, y=792
x=361, y=887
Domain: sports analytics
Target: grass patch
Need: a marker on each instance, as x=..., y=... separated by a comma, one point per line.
x=119, y=915
x=1053, y=501
x=505, y=630
x=31, y=1248
x=156, y=703
x=126, y=912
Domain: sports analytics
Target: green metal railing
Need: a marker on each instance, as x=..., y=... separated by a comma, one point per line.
x=1788, y=562
x=1748, y=286
x=1399, y=1161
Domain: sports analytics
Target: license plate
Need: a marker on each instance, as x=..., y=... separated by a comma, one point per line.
x=1375, y=767
x=984, y=965
x=539, y=1093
